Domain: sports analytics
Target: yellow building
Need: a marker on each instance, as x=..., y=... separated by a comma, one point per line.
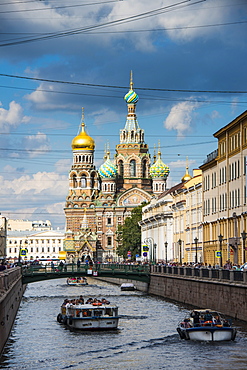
x=224, y=195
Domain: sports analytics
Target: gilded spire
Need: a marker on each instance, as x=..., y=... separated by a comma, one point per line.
x=131, y=80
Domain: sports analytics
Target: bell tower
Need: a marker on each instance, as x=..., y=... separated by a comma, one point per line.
x=132, y=158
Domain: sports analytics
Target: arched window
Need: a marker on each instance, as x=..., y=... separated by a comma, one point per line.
x=144, y=169
x=83, y=181
x=120, y=168
x=74, y=181
x=132, y=168
x=92, y=181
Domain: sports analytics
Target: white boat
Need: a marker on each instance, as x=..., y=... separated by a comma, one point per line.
x=95, y=316
x=206, y=325
x=127, y=286
x=77, y=281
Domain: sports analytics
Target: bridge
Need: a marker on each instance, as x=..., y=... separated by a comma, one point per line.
x=31, y=274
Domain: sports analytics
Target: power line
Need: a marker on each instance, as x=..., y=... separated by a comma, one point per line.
x=124, y=87
x=54, y=7
x=132, y=18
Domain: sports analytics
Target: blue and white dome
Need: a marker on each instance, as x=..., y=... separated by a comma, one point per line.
x=159, y=169
x=108, y=170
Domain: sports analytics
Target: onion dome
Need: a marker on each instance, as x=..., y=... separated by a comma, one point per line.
x=108, y=170
x=187, y=176
x=83, y=141
x=159, y=169
x=131, y=97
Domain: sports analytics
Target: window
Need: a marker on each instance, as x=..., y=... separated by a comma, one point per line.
x=120, y=168
x=132, y=168
x=109, y=240
x=108, y=220
x=83, y=181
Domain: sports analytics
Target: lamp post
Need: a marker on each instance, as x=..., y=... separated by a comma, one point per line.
x=244, y=235
x=196, y=241
x=166, y=244
x=220, y=240
x=155, y=245
x=180, y=251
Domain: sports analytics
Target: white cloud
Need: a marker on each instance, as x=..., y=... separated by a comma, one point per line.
x=36, y=144
x=180, y=117
x=12, y=118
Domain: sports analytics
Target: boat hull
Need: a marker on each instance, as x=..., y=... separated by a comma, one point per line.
x=103, y=323
x=209, y=334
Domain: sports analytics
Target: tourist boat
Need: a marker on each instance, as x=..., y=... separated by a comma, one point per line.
x=94, y=316
x=128, y=286
x=77, y=281
x=206, y=325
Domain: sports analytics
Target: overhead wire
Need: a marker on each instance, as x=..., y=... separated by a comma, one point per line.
x=132, y=18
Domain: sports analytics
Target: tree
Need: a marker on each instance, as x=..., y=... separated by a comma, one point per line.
x=129, y=234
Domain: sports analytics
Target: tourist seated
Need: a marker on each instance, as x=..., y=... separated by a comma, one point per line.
x=208, y=316
x=217, y=321
x=186, y=323
x=104, y=301
x=89, y=301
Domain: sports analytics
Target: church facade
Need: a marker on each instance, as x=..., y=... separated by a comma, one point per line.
x=99, y=200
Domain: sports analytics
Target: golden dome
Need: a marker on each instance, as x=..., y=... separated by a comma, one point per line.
x=187, y=176
x=83, y=141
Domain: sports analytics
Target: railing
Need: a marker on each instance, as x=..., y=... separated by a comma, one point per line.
x=42, y=272
x=202, y=273
x=8, y=278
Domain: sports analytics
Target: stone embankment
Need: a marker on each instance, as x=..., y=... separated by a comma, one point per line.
x=11, y=292
x=226, y=293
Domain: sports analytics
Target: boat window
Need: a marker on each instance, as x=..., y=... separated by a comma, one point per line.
x=98, y=312
x=109, y=312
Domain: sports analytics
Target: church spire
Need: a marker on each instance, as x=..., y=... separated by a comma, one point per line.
x=131, y=132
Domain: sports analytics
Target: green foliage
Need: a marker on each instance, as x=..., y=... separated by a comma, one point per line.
x=129, y=234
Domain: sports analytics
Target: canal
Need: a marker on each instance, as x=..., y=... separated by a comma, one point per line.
x=146, y=338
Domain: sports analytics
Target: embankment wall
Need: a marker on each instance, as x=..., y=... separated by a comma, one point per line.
x=143, y=287
x=226, y=297
x=11, y=292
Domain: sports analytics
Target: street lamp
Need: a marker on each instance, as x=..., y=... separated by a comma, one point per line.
x=196, y=241
x=220, y=240
x=244, y=235
x=180, y=251
x=155, y=245
x=166, y=244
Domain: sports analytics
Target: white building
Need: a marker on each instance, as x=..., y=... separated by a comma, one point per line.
x=38, y=244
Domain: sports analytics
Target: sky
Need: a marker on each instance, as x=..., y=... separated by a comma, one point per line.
x=188, y=60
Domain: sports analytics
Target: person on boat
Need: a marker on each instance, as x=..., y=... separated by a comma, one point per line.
x=196, y=318
x=78, y=263
x=104, y=301
x=208, y=318
x=217, y=320
x=186, y=323
x=89, y=301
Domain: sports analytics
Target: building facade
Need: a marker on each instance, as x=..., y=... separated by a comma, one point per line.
x=98, y=201
x=224, y=195
x=38, y=244
x=172, y=224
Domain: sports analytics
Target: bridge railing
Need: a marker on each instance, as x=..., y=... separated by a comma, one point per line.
x=84, y=269
x=202, y=273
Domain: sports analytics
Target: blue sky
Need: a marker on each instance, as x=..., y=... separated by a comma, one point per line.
x=189, y=68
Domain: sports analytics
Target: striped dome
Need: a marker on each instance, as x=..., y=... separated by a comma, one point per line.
x=159, y=169
x=108, y=170
x=131, y=97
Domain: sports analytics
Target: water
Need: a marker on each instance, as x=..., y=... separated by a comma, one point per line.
x=146, y=338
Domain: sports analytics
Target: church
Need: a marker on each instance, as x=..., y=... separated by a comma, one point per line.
x=99, y=200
